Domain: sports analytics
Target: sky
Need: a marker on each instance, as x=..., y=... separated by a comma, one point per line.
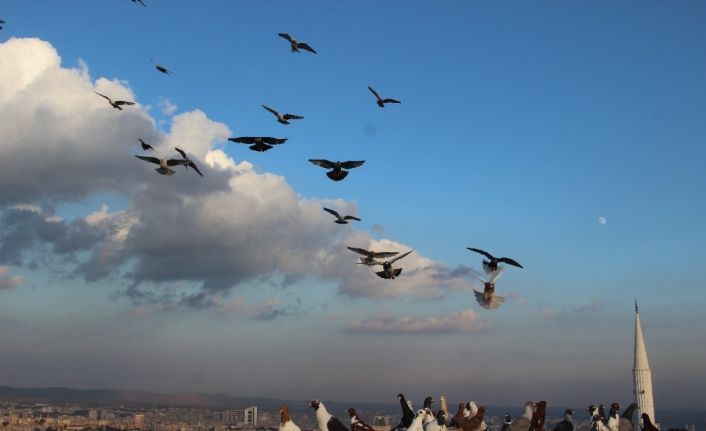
x=566, y=135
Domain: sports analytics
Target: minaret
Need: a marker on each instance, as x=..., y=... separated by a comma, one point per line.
x=642, y=375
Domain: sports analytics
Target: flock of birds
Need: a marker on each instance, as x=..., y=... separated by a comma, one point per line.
x=470, y=417
x=336, y=171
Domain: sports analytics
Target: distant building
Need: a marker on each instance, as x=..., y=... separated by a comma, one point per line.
x=93, y=415
x=247, y=416
x=251, y=416
x=139, y=422
x=642, y=375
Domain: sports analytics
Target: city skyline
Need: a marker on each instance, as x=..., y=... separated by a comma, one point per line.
x=566, y=136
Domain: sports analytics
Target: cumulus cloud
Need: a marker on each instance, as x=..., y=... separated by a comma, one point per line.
x=7, y=281
x=463, y=321
x=181, y=239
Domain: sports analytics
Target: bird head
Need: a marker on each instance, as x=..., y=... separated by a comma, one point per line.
x=428, y=401
x=569, y=412
x=351, y=412
x=400, y=396
x=314, y=404
x=421, y=413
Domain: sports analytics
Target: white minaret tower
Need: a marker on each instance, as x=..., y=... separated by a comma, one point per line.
x=642, y=375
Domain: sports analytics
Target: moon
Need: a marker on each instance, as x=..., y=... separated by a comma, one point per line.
x=602, y=220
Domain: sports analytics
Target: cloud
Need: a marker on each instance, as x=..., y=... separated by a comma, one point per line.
x=7, y=281
x=463, y=321
x=167, y=107
x=183, y=239
x=602, y=220
x=547, y=312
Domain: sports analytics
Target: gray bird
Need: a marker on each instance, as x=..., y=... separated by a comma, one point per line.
x=388, y=272
x=283, y=118
x=370, y=255
x=341, y=219
x=296, y=45
x=115, y=104
x=380, y=101
x=165, y=163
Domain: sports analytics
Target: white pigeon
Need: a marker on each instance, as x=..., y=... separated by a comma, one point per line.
x=430, y=423
x=285, y=422
x=324, y=419
x=418, y=421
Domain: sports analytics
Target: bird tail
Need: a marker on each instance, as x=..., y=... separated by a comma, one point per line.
x=489, y=303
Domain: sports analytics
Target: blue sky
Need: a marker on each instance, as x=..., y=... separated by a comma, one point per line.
x=520, y=125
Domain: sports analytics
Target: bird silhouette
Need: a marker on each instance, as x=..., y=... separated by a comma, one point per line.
x=380, y=101
x=296, y=45
x=491, y=264
x=338, y=171
x=115, y=104
x=283, y=118
x=259, y=143
x=341, y=219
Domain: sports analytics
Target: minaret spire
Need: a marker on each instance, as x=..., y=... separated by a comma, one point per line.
x=642, y=375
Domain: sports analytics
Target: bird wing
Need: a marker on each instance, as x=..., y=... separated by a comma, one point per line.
x=275, y=113
x=273, y=141
x=285, y=35
x=350, y=217
x=103, y=96
x=180, y=151
x=335, y=425
x=305, y=46
x=352, y=164
x=359, y=251
x=148, y=159
x=326, y=164
x=244, y=140
x=383, y=254
x=390, y=101
x=496, y=275
x=145, y=145
x=292, y=117
x=509, y=261
x=192, y=165
x=122, y=102
x=328, y=210
x=484, y=253
x=178, y=162
x=377, y=96
x=399, y=257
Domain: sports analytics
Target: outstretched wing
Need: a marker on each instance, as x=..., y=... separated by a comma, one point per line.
x=273, y=141
x=509, y=261
x=326, y=164
x=122, y=102
x=192, y=165
x=359, y=251
x=148, y=159
x=377, y=96
x=178, y=162
x=103, y=96
x=306, y=47
x=336, y=214
x=350, y=217
x=496, y=274
x=145, y=145
x=244, y=140
x=352, y=164
x=292, y=117
x=275, y=113
x=384, y=254
x=391, y=101
x=180, y=151
x=286, y=36
x=484, y=253
x=400, y=257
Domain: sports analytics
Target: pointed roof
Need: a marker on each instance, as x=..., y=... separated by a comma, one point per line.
x=640, y=362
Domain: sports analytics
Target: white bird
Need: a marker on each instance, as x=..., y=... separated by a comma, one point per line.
x=324, y=419
x=523, y=422
x=471, y=410
x=285, y=422
x=418, y=421
x=487, y=298
x=371, y=256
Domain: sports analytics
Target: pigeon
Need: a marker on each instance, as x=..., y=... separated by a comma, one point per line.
x=487, y=298
x=340, y=219
x=146, y=146
x=285, y=422
x=475, y=423
x=647, y=424
x=597, y=423
x=369, y=260
x=259, y=143
x=523, y=422
x=472, y=410
x=432, y=422
x=380, y=101
x=325, y=421
x=295, y=45
x=164, y=163
x=613, y=422
x=407, y=412
x=507, y=422
x=568, y=423
x=190, y=163
x=459, y=418
x=443, y=406
x=428, y=401
x=283, y=118
x=388, y=272
x=337, y=172
x=161, y=68
x=539, y=416
x=115, y=104
x=491, y=265
x=357, y=423
x=140, y=2
x=418, y=421
x=630, y=414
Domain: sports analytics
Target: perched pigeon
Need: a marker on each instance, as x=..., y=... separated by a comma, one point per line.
x=325, y=421
x=357, y=423
x=523, y=422
x=568, y=423
x=539, y=416
x=285, y=422
x=407, y=412
x=475, y=423
x=647, y=424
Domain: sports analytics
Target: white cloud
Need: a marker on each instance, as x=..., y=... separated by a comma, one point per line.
x=7, y=281
x=167, y=107
x=602, y=220
x=463, y=321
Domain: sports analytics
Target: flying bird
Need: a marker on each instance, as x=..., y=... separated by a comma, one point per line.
x=407, y=412
x=283, y=118
x=337, y=172
x=1, y=24
x=568, y=423
x=140, y=2
x=165, y=163
x=487, y=298
x=369, y=259
x=161, y=68
x=295, y=45
x=259, y=143
x=285, y=422
x=115, y=104
x=341, y=219
x=357, y=423
x=190, y=163
x=491, y=264
x=380, y=101
x=146, y=146
x=388, y=272
x=325, y=421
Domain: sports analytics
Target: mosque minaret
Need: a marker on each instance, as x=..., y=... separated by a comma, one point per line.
x=642, y=375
